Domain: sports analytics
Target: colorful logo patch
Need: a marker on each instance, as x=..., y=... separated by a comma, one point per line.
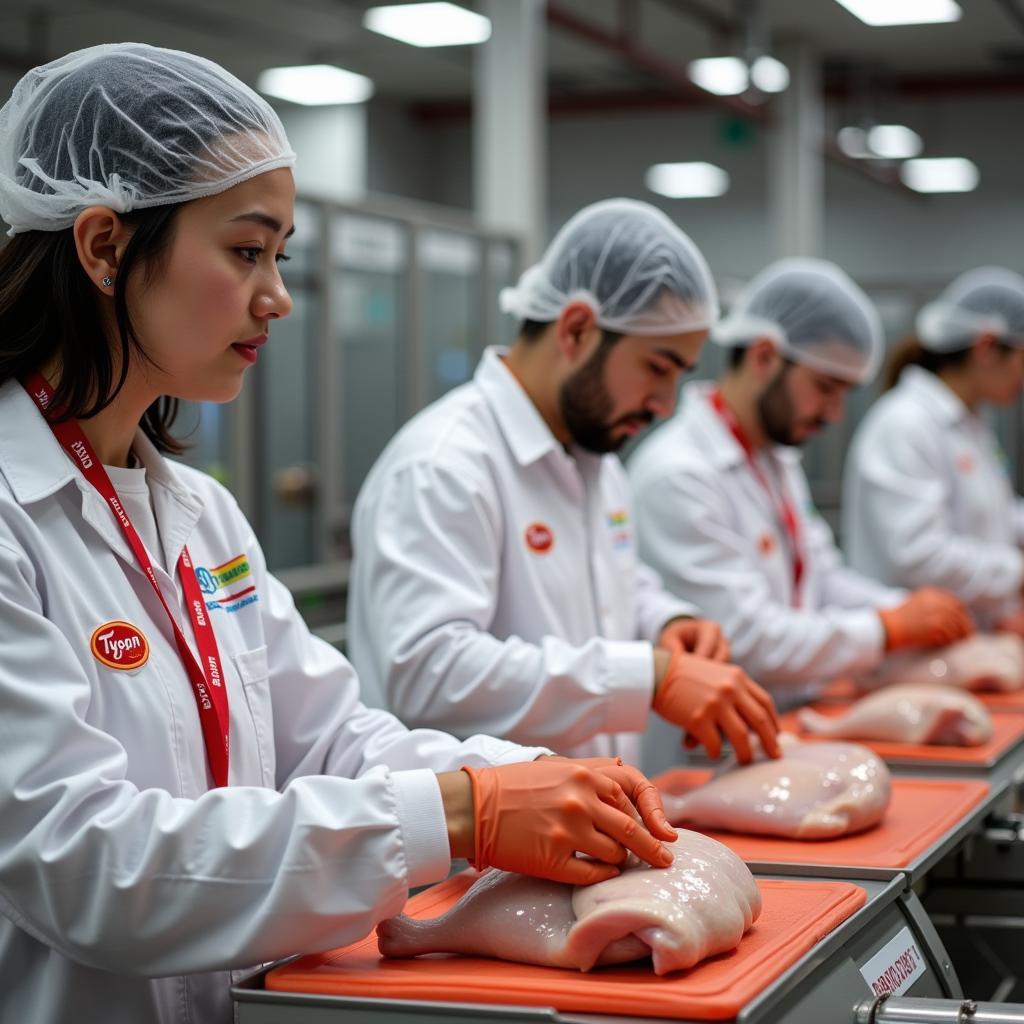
x=119, y=645
x=539, y=538
x=621, y=535
x=231, y=579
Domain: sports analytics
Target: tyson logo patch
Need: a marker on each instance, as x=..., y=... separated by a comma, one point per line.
x=119, y=645
x=539, y=538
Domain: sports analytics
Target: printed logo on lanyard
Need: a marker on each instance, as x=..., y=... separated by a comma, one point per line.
x=119, y=645
x=204, y=674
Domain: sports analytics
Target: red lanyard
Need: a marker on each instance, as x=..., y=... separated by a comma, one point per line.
x=207, y=682
x=786, y=514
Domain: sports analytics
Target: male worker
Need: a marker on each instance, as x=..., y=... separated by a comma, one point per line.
x=723, y=506
x=495, y=583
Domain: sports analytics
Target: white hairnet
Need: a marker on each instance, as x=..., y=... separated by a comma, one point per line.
x=815, y=314
x=988, y=300
x=128, y=126
x=638, y=272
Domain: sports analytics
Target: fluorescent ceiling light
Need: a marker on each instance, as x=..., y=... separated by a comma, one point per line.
x=724, y=76
x=941, y=174
x=697, y=180
x=853, y=142
x=432, y=24
x=315, y=85
x=903, y=12
x=894, y=141
x=769, y=74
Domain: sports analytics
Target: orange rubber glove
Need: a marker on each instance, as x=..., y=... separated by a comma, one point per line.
x=1012, y=624
x=642, y=793
x=710, y=700
x=695, y=636
x=534, y=817
x=928, y=618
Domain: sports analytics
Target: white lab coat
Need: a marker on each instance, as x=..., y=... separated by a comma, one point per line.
x=128, y=888
x=708, y=526
x=927, y=501
x=459, y=623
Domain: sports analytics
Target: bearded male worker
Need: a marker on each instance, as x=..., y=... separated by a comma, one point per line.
x=724, y=508
x=495, y=579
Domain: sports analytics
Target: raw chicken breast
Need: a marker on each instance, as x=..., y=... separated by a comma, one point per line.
x=908, y=714
x=698, y=906
x=981, y=662
x=814, y=791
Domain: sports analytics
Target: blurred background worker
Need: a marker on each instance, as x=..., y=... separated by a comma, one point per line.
x=724, y=509
x=495, y=581
x=926, y=496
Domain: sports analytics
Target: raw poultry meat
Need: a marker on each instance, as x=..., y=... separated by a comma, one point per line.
x=907, y=714
x=981, y=662
x=815, y=790
x=698, y=906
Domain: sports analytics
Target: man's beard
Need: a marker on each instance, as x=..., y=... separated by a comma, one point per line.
x=585, y=405
x=776, y=411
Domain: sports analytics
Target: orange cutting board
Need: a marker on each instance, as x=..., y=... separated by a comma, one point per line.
x=796, y=915
x=1007, y=730
x=842, y=690
x=920, y=811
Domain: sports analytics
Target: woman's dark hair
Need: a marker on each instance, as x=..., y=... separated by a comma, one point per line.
x=49, y=310
x=910, y=352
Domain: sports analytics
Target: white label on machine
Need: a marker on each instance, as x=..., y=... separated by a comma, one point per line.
x=895, y=967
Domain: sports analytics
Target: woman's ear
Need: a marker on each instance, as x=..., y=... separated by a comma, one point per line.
x=100, y=240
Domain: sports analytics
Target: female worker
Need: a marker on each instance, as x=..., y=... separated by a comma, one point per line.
x=926, y=499
x=188, y=782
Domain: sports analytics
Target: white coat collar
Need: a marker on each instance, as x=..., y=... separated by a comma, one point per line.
x=525, y=430
x=35, y=466
x=713, y=437
x=934, y=394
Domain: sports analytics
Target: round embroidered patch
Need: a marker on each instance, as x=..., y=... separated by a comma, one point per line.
x=539, y=538
x=119, y=645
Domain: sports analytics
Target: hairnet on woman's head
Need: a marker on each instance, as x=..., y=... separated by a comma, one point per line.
x=987, y=300
x=638, y=272
x=815, y=314
x=129, y=126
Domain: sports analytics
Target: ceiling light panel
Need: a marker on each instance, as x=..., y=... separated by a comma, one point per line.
x=429, y=24
x=723, y=76
x=940, y=174
x=894, y=142
x=903, y=12
x=315, y=85
x=694, y=180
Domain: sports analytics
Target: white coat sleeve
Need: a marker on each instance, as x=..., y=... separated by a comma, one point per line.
x=143, y=882
x=906, y=502
x=841, y=586
x=427, y=560
x=702, y=554
x=656, y=606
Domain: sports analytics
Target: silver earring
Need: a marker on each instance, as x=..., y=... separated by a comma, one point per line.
x=107, y=281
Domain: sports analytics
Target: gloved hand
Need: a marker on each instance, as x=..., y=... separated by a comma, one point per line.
x=928, y=618
x=695, y=636
x=1012, y=624
x=708, y=699
x=534, y=817
x=641, y=791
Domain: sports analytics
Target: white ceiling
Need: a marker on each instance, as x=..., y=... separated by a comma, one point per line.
x=247, y=37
